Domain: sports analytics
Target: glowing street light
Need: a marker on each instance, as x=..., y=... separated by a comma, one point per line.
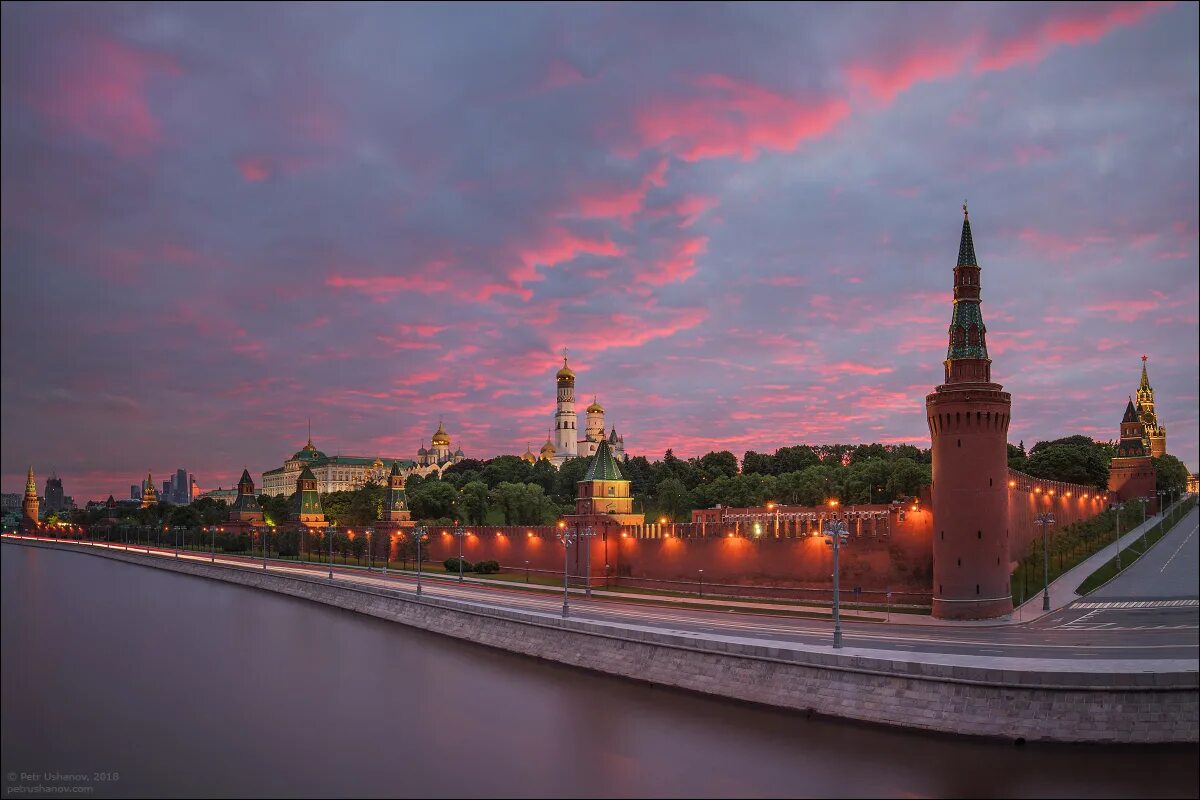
x=567, y=538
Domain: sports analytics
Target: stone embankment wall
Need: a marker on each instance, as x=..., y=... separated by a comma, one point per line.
x=871, y=686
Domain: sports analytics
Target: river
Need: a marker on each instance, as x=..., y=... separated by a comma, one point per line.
x=138, y=682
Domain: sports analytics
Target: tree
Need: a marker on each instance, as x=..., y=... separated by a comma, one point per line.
x=276, y=508
x=1170, y=474
x=474, y=502
x=906, y=479
x=545, y=475
x=505, y=469
x=759, y=463
x=186, y=516
x=1071, y=463
x=673, y=498
x=1078, y=441
x=523, y=504
x=794, y=459
x=714, y=465
x=570, y=472
x=433, y=499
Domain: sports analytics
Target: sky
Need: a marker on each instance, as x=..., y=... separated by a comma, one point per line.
x=221, y=221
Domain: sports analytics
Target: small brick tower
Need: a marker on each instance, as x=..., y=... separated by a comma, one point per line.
x=306, y=503
x=29, y=504
x=1131, y=474
x=968, y=419
x=245, y=507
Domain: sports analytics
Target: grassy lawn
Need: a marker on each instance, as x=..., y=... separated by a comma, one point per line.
x=1068, y=547
x=1132, y=553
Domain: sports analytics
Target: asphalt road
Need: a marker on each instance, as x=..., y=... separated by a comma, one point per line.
x=1158, y=592
x=1176, y=638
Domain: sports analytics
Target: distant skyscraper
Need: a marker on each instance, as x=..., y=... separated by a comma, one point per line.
x=135, y=492
x=54, y=493
x=168, y=492
x=182, y=487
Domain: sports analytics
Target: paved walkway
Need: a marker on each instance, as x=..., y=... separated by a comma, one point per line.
x=1062, y=589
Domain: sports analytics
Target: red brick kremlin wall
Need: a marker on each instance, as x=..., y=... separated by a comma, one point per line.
x=1028, y=497
x=884, y=552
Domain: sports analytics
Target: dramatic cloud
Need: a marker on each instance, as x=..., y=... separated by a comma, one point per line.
x=741, y=220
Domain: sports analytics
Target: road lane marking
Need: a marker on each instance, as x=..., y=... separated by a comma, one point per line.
x=1181, y=544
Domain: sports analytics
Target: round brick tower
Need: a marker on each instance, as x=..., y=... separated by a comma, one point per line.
x=968, y=423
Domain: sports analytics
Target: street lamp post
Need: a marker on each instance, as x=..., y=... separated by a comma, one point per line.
x=175, y=531
x=460, y=532
x=527, y=570
x=701, y=584
x=387, y=553
x=329, y=529
x=370, y=549
x=836, y=533
x=567, y=538
x=1119, y=507
x=1046, y=520
x=419, y=533
x=586, y=535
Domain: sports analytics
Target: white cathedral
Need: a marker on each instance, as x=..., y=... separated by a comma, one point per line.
x=565, y=442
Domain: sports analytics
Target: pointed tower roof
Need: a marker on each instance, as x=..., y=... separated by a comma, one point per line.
x=1145, y=384
x=30, y=483
x=395, y=473
x=604, y=466
x=966, y=245
x=1130, y=413
x=306, y=474
x=245, y=476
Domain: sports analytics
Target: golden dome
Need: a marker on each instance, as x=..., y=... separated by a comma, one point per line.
x=440, y=437
x=595, y=407
x=528, y=455
x=565, y=372
x=548, y=450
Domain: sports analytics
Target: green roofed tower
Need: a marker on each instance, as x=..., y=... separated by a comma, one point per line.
x=306, y=503
x=966, y=355
x=395, y=504
x=604, y=493
x=245, y=507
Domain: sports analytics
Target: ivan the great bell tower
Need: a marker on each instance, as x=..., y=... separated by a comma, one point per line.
x=968, y=419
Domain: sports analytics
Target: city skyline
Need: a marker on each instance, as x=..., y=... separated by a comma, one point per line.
x=740, y=253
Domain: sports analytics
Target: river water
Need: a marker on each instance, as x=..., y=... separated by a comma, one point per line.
x=138, y=682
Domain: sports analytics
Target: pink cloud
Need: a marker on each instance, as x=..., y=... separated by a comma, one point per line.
x=727, y=117
x=856, y=369
x=383, y=287
x=557, y=247
x=929, y=63
x=98, y=90
x=678, y=266
x=253, y=170
x=1080, y=24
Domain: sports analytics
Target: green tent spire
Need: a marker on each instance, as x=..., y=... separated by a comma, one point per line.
x=604, y=466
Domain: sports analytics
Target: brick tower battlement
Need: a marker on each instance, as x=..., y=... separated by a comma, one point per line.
x=968, y=417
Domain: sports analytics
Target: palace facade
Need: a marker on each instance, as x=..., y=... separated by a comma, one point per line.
x=346, y=473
